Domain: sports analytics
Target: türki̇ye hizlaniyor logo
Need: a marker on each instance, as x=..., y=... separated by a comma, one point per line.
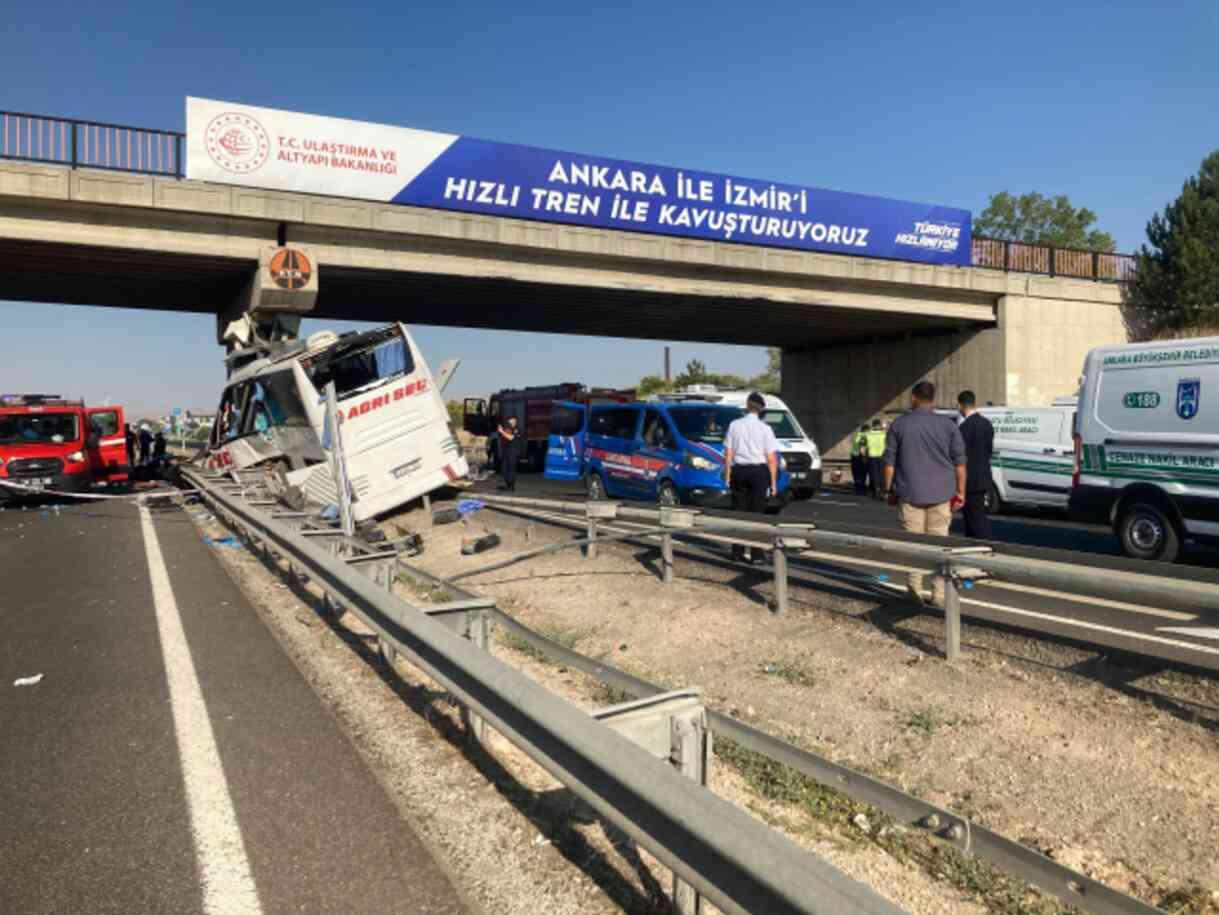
x=290, y=269
x=237, y=143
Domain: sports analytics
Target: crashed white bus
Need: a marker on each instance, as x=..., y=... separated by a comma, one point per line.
x=397, y=440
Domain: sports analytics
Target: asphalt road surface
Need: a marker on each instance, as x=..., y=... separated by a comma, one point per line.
x=1166, y=633
x=171, y=758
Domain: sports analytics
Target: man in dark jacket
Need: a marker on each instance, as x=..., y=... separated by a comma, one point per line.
x=979, y=437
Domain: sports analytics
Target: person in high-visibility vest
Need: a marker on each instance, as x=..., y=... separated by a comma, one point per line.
x=859, y=460
x=876, y=453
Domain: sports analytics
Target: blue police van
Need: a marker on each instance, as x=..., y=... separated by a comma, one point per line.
x=671, y=453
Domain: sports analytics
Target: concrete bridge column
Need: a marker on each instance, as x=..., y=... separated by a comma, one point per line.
x=1033, y=354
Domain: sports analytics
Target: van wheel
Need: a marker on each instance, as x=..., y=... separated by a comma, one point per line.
x=1147, y=533
x=993, y=503
x=667, y=494
x=595, y=487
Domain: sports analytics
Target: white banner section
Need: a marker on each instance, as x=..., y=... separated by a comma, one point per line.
x=282, y=150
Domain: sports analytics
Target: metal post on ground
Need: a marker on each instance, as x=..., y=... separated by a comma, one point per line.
x=478, y=632
x=691, y=756
x=596, y=512
x=779, y=604
x=666, y=557
x=952, y=615
x=590, y=551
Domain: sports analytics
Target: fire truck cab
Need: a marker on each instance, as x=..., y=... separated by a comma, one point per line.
x=49, y=443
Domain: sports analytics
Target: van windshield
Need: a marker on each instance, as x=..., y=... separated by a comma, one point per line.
x=362, y=363
x=39, y=428
x=704, y=424
x=782, y=423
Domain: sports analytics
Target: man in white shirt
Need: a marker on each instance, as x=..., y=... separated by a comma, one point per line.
x=751, y=465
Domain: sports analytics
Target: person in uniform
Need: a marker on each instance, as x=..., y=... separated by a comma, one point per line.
x=859, y=460
x=751, y=465
x=979, y=436
x=509, y=452
x=876, y=458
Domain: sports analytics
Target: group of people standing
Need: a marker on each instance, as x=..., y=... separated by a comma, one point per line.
x=143, y=447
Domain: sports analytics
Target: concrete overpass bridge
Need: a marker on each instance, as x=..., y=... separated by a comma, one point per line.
x=856, y=332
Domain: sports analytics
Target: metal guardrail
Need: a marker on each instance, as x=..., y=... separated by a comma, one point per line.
x=1074, y=578
x=1022, y=257
x=91, y=144
x=1009, y=856
x=119, y=147
x=736, y=861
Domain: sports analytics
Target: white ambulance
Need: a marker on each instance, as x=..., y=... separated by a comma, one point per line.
x=1147, y=444
x=1033, y=455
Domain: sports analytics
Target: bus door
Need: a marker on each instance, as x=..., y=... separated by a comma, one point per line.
x=565, y=449
x=106, y=444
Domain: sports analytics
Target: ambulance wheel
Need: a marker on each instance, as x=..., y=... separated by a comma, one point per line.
x=667, y=494
x=993, y=503
x=595, y=486
x=1147, y=533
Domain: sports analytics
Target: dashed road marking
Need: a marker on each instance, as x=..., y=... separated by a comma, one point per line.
x=224, y=870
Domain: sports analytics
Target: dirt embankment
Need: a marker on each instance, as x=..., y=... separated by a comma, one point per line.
x=1108, y=769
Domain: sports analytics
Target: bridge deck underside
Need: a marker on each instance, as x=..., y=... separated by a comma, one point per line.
x=71, y=274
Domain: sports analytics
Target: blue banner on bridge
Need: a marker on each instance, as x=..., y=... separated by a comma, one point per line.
x=263, y=147
x=508, y=180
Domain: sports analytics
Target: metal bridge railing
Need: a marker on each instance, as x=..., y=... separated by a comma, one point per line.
x=91, y=144
x=1022, y=257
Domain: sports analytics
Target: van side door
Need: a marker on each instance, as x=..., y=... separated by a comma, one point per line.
x=565, y=447
x=106, y=443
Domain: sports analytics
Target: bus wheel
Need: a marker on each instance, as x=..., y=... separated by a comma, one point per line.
x=595, y=487
x=1147, y=533
x=667, y=494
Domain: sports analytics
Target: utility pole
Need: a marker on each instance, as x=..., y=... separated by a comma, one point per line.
x=668, y=366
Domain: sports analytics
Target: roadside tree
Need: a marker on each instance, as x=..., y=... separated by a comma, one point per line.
x=1038, y=220
x=1175, y=288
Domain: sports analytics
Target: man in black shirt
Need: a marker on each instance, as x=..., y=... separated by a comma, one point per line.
x=979, y=437
x=509, y=452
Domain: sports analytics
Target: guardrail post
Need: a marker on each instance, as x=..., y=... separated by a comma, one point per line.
x=952, y=615
x=670, y=726
x=666, y=557
x=597, y=511
x=477, y=631
x=691, y=755
x=779, y=604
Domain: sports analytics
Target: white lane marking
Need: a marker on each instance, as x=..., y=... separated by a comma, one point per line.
x=1099, y=601
x=832, y=502
x=1028, y=589
x=1204, y=632
x=1141, y=636
x=224, y=870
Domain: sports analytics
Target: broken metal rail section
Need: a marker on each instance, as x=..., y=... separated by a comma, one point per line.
x=610, y=759
x=959, y=566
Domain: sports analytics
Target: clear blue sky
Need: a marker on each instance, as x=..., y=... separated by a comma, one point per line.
x=1111, y=103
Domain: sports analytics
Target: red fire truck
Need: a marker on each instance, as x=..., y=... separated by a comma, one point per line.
x=533, y=409
x=50, y=443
